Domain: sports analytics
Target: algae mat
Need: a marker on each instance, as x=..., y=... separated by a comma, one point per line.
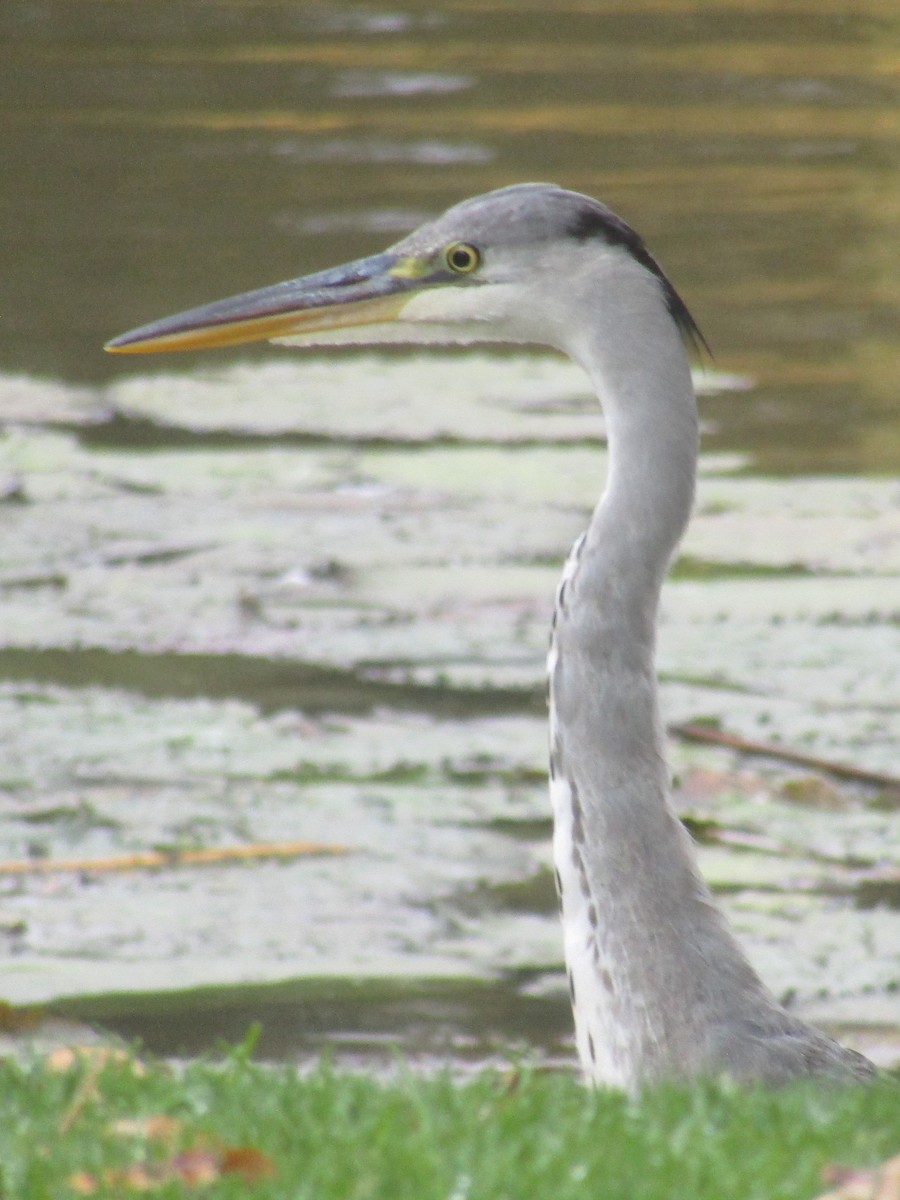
x=309, y=601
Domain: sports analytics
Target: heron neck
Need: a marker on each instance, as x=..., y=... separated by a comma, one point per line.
x=604, y=686
x=650, y=410
x=640, y=928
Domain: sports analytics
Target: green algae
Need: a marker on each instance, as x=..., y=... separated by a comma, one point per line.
x=232, y=638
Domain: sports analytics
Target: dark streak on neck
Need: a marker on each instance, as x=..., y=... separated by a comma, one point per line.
x=600, y=221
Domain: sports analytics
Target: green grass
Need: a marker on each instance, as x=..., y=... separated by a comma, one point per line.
x=515, y=1136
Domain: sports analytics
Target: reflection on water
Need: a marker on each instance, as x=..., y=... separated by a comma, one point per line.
x=167, y=153
x=163, y=593
x=361, y=1021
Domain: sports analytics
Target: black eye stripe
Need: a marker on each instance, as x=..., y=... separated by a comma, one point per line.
x=462, y=257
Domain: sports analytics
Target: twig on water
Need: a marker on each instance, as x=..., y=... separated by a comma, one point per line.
x=150, y=860
x=691, y=732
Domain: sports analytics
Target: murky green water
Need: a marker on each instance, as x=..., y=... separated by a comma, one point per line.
x=159, y=153
x=241, y=596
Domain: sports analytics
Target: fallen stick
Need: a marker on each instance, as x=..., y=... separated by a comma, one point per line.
x=719, y=737
x=149, y=860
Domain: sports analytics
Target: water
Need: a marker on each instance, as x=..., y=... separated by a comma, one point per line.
x=228, y=614
x=162, y=153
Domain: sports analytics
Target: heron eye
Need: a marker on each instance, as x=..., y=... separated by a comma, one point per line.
x=462, y=258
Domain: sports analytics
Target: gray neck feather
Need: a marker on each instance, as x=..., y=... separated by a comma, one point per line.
x=653, y=968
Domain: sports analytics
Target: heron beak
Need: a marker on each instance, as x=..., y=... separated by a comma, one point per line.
x=366, y=292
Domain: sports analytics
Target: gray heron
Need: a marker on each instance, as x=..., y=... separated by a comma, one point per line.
x=659, y=986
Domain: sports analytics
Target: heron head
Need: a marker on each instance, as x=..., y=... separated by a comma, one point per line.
x=509, y=266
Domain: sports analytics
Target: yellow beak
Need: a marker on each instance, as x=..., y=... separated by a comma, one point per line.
x=365, y=292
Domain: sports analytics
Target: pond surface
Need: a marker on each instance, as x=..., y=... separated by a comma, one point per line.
x=243, y=596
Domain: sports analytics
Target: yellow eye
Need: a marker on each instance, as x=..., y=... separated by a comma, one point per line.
x=462, y=258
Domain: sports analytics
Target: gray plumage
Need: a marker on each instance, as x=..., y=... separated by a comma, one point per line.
x=660, y=987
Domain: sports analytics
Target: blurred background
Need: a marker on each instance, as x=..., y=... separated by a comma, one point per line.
x=159, y=153
x=259, y=597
